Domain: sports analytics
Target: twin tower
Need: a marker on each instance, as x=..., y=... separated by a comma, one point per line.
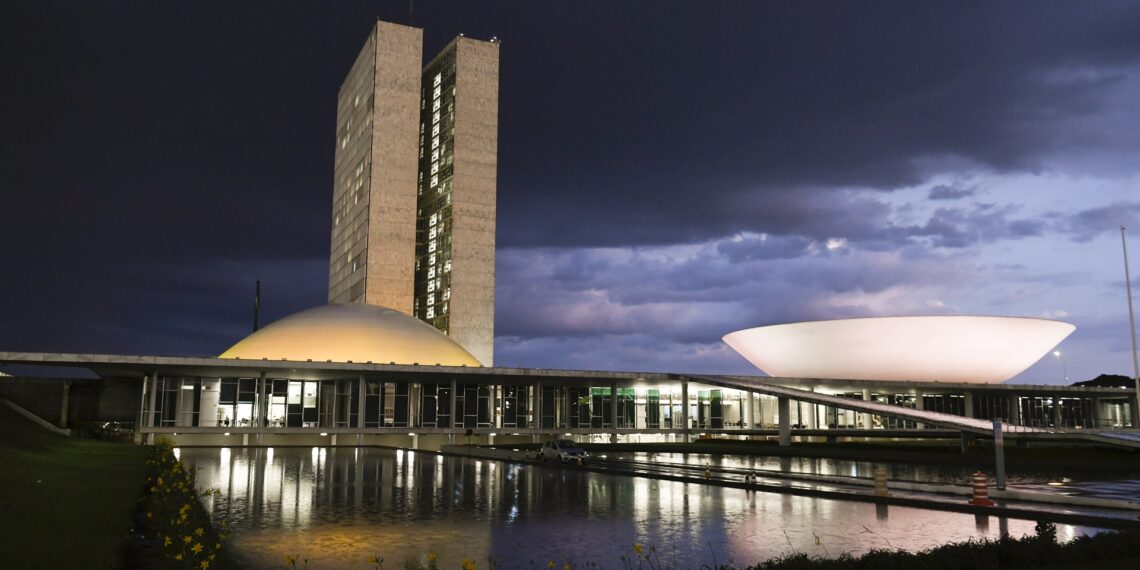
x=413, y=217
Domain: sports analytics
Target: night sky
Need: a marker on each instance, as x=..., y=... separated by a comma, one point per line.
x=668, y=172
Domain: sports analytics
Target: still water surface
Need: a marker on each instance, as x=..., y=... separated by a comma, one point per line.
x=338, y=507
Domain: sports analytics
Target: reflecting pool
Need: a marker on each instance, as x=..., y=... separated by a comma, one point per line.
x=339, y=507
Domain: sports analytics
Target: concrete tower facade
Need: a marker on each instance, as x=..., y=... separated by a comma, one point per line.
x=372, y=253
x=455, y=245
x=414, y=194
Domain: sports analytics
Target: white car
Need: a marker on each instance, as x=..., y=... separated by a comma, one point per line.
x=563, y=450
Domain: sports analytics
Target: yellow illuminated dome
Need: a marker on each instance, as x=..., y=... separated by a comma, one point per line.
x=353, y=331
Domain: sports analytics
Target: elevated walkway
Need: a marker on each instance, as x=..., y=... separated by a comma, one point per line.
x=1128, y=439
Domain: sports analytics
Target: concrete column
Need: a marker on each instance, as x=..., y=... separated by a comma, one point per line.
x=142, y=410
x=332, y=439
x=783, y=409
x=968, y=405
x=1056, y=411
x=63, y=404
x=451, y=404
x=813, y=412
x=536, y=406
x=918, y=405
x=153, y=395
x=415, y=441
x=1015, y=410
x=262, y=419
x=1095, y=409
x=866, y=416
x=614, y=406
x=684, y=409
x=361, y=396
x=750, y=411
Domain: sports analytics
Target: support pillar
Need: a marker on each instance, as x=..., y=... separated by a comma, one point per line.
x=415, y=441
x=613, y=412
x=142, y=409
x=685, y=408
x=1056, y=411
x=1015, y=410
x=866, y=415
x=1095, y=410
x=153, y=416
x=63, y=404
x=750, y=414
x=968, y=404
x=451, y=403
x=999, y=454
x=783, y=408
x=262, y=419
x=362, y=396
x=918, y=405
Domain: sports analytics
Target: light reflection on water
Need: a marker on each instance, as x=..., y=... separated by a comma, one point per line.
x=338, y=507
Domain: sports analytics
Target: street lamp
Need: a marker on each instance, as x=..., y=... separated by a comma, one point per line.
x=1064, y=367
x=1131, y=326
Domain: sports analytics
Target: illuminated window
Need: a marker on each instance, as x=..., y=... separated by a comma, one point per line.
x=447, y=266
x=431, y=233
x=431, y=285
x=447, y=294
x=438, y=79
x=435, y=117
x=431, y=246
x=431, y=312
x=435, y=142
x=434, y=181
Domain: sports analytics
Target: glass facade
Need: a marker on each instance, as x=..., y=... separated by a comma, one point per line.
x=434, y=204
x=400, y=403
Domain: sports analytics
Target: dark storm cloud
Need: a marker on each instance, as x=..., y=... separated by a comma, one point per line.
x=944, y=192
x=1087, y=224
x=959, y=227
x=704, y=118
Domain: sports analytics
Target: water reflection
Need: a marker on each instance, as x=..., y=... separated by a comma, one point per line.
x=338, y=507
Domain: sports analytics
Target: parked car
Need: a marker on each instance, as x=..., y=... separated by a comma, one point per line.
x=563, y=450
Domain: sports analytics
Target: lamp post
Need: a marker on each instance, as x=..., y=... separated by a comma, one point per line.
x=1064, y=367
x=1131, y=325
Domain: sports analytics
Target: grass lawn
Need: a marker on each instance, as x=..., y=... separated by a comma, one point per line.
x=64, y=503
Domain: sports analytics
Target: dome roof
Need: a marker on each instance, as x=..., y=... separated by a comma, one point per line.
x=353, y=331
x=928, y=349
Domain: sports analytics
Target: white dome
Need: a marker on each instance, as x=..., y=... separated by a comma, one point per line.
x=354, y=331
x=927, y=349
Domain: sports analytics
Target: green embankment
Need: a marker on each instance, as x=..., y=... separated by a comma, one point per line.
x=64, y=503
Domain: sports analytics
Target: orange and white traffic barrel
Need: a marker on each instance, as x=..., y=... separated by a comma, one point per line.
x=981, y=491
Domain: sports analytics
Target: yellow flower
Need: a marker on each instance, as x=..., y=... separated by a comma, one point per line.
x=550, y=564
x=150, y=515
x=187, y=539
x=432, y=557
x=468, y=565
x=205, y=564
x=166, y=541
x=638, y=549
x=197, y=548
x=178, y=556
x=567, y=566
x=199, y=531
